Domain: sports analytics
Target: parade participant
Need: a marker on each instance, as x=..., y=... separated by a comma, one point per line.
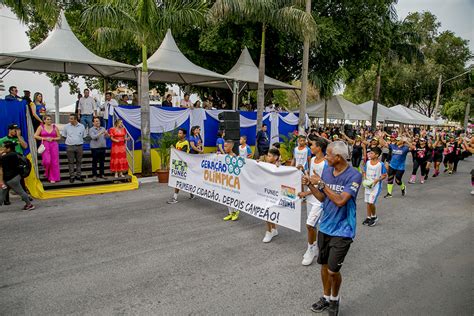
x=357, y=150
x=244, y=150
x=374, y=172
x=301, y=154
x=220, y=142
x=337, y=189
x=470, y=148
x=314, y=206
x=182, y=145
x=397, y=165
x=422, y=155
x=450, y=154
x=438, y=148
x=233, y=214
x=273, y=157
x=458, y=155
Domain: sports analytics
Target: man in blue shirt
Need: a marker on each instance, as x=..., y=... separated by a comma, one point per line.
x=397, y=165
x=337, y=189
x=74, y=132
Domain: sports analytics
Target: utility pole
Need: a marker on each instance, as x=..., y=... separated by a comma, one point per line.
x=466, y=114
x=435, y=112
x=56, y=104
x=304, y=79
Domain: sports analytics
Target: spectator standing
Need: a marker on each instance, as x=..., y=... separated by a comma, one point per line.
x=186, y=103
x=87, y=109
x=10, y=162
x=76, y=111
x=38, y=110
x=13, y=94
x=263, y=142
x=124, y=100
x=197, y=104
x=48, y=134
x=109, y=107
x=74, y=133
x=118, y=154
x=168, y=102
x=98, y=147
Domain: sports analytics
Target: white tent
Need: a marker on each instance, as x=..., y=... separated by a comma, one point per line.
x=415, y=117
x=62, y=52
x=338, y=108
x=168, y=64
x=384, y=114
x=245, y=72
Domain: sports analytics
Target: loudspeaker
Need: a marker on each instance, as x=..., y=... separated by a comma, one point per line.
x=229, y=116
x=229, y=125
x=232, y=134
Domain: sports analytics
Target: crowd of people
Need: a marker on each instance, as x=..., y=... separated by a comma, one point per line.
x=335, y=165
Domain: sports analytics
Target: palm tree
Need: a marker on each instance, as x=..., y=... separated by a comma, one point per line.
x=327, y=84
x=144, y=22
x=400, y=41
x=283, y=15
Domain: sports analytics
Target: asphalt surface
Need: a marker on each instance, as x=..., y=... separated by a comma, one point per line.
x=131, y=253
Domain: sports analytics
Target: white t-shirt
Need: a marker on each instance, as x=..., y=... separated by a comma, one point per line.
x=301, y=156
x=245, y=151
x=87, y=105
x=318, y=168
x=373, y=172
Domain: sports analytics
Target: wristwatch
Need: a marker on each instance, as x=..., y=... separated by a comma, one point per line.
x=321, y=185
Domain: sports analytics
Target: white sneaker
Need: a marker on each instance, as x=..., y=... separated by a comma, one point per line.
x=274, y=232
x=268, y=236
x=472, y=192
x=309, y=255
x=172, y=201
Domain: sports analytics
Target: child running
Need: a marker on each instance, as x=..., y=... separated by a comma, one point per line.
x=375, y=172
x=272, y=157
x=233, y=213
x=314, y=207
x=244, y=149
x=182, y=145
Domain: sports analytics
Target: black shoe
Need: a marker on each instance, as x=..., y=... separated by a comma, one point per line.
x=71, y=180
x=7, y=203
x=426, y=177
x=404, y=191
x=387, y=196
x=333, y=309
x=366, y=221
x=320, y=306
x=80, y=179
x=373, y=221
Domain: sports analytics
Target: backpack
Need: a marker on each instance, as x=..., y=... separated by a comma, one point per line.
x=24, y=166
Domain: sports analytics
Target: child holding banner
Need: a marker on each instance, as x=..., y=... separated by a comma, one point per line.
x=228, y=150
x=272, y=157
x=314, y=206
x=182, y=145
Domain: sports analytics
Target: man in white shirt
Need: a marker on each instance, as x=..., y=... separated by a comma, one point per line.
x=87, y=109
x=108, y=107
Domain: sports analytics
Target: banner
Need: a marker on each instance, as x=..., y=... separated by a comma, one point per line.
x=262, y=190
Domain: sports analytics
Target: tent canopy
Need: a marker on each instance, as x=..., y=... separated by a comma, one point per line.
x=245, y=71
x=415, y=117
x=338, y=108
x=62, y=52
x=168, y=64
x=384, y=114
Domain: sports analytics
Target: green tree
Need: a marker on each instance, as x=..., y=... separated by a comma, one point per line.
x=145, y=22
x=283, y=15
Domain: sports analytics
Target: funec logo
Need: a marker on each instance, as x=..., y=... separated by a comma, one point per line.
x=179, y=168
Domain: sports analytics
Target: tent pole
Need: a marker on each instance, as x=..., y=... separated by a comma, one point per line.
x=56, y=104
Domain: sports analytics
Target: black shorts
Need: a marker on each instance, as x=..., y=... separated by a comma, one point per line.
x=385, y=157
x=397, y=174
x=332, y=250
x=438, y=157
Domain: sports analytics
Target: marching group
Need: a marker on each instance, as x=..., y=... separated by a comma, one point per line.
x=331, y=183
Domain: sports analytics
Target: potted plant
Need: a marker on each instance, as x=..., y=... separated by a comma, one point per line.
x=163, y=147
x=287, y=147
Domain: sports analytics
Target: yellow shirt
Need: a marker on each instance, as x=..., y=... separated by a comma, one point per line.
x=182, y=145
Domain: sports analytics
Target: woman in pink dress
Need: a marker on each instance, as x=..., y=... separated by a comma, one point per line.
x=118, y=153
x=49, y=135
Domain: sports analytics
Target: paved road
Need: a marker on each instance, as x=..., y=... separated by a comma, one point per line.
x=130, y=253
